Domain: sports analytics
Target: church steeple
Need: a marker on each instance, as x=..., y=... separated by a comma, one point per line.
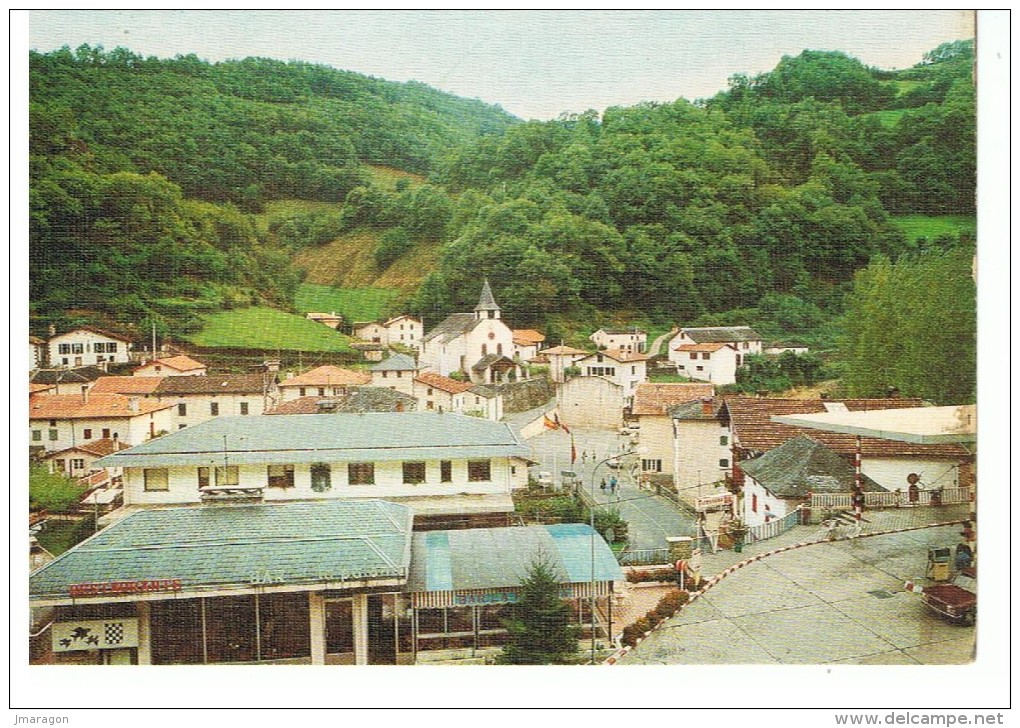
x=486, y=307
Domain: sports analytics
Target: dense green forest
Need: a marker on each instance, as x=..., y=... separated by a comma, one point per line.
x=755, y=206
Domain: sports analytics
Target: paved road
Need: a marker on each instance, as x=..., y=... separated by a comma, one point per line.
x=840, y=602
x=650, y=518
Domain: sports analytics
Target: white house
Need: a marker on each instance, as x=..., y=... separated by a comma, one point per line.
x=68, y=381
x=445, y=463
x=623, y=368
x=200, y=398
x=478, y=344
x=561, y=359
x=702, y=448
x=62, y=421
x=404, y=329
x=631, y=340
x=87, y=345
x=783, y=478
x=332, y=320
x=436, y=393
x=713, y=353
x=396, y=372
x=324, y=381
x=36, y=352
x=79, y=461
x=172, y=366
x=651, y=411
x=526, y=344
x=483, y=400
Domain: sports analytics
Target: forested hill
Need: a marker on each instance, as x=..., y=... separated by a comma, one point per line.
x=756, y=205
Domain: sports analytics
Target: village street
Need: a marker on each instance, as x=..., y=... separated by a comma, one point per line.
x=840, y=602
x=650, y=518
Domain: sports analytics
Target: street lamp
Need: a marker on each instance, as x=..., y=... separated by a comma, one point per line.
x=591, y=585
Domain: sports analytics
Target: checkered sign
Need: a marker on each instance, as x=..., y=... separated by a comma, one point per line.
x=100, y=634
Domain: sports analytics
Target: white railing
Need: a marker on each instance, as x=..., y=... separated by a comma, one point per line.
x=894, y=499
x=773, y=528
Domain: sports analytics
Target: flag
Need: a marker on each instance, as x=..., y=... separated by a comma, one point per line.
x=550, y=423
x=560, y=424
x=573, y=449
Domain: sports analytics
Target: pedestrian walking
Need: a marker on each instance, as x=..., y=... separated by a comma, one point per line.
x=612, y=485
x=602, y=485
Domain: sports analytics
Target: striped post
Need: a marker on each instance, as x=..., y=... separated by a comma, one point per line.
x=858, y=483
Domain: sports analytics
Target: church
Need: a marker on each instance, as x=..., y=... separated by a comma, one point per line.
x=478, y=344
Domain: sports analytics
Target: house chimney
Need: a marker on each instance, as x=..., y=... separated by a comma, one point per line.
x=706, y=405
x=133, y=405
x=85, y=393
x=53, y=330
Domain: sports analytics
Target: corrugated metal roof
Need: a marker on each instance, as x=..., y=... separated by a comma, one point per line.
x=493, y=558
x=226, y=546
x=374, y=436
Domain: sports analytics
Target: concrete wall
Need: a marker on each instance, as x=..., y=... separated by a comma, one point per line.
x=183, y=482
x=591, y=402
x=527, y=394
x=891, y=473
x=697, y=452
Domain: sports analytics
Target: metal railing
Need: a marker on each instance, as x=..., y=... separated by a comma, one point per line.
x=894, y=499
x=774, y=528
x=643, y=557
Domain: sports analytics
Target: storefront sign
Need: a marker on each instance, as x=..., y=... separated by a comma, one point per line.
x=97, y=634
x=124, y=587
x=499, y=597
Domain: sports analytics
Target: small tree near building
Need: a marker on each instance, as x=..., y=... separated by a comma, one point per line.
x=540, y=624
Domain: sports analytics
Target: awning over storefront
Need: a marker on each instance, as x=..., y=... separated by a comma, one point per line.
x=919, y=425
x=487, y=565
x=161, y=553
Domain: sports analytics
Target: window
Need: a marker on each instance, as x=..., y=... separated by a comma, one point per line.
x=738, y=360
x=430, y=391
x=322, y=391
x=227, y=475
x=322, y=477
x=181, y=426
x=479, y=470
x=182, y=410
x=244, y=408
x=77, y=464
x=499, y=349
x=694, y=355
x=385, y=374
x=724, y=462
x=53, y=435
x=399, y=374
x=36, y=435
x=754, y=502
x=301, y=391
x=203, y=478
x=430, y=405
x=159, y=367
x=87, y=433
x=280, y=476
x=106, y=433
x=77, y=348
x=361, y=473
x=414, y=473
x=214, y=408
x=724, y=440
x=705, y=356
x=64, y=349
x=700, y=368
x=746, y=345
x=485, y=349
x=53, y=423
x=651, y=466
x=156, y=479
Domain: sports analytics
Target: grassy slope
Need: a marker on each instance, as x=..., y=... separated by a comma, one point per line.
x=386, y=177
x=267, y=328
x=356, y=304
x=928, y=226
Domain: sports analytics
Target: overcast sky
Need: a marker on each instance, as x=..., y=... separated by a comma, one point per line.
x=535, y=64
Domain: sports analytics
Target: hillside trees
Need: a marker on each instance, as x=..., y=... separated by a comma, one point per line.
x=912, y=324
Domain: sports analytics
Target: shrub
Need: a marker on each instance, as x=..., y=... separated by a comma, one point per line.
x=638, y=576
x=671, y=603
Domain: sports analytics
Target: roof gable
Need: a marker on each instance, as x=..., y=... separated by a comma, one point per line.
x=396, y=363
x=446, y=384
x=76, y=407
x=454, y=325
x=328, y=376
x=181, y=363
x=655, y=399
x=801, y=466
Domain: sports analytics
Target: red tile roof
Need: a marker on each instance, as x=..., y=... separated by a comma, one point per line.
x=99, y=448
x=438, y=381
x=181, y=363
x=563, y=350
x=328, y=376
x=527, y=337
x=754, y=431
x=701, y=347
x=126, y=385
x=34, y=388
x=74, y=406
x=653, y=399
x=622, y=356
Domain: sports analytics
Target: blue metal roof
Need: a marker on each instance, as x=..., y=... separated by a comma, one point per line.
x=239, y=546
x=493, y=558
x=371, y=437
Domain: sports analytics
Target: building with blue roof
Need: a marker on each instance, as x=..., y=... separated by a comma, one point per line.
x=328, y=582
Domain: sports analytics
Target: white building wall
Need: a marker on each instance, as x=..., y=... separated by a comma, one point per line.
x=88, y=356
x=198, y=407
x=591, y=402
x=153, y=369
x=71, y=432
x=634, y=343
x=699, y=452
x=754, y=499
x=291, y=392
x=397, y=380
x=656, y=434
x=372, y=332
x=891, y=473
x=720, y=367
x=183, y=482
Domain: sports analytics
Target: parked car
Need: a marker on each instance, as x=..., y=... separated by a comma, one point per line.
x=956, y=600
x=614, y=463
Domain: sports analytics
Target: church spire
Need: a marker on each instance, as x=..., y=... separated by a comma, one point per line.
x=487, y=307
